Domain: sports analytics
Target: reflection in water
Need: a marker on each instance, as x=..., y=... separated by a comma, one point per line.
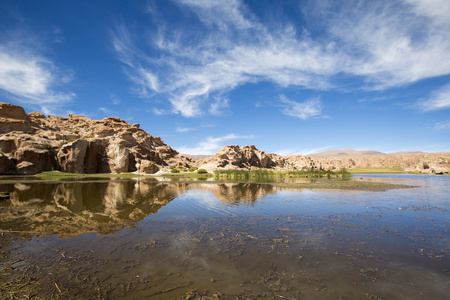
x=224, y=241
x=237, y=193
x=72, y=208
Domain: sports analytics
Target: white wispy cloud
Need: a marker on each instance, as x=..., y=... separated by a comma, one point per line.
x=181, y=129
x=211, y=144
x=384, y=43
x=439, y=99
x=28, y=77
x=444, y=125
x=184, y=129
x=115, y=100
x=106, y=111
x=303, y=110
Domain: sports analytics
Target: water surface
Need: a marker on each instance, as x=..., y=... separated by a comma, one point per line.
x=112, y=239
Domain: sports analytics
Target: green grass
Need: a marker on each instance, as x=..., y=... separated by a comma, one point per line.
x=260, y=174
x=186, y=174
x=376, y=170
x=56, y=173
x=60, y=175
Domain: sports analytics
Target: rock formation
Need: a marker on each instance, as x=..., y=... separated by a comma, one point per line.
x=235, y=157
x=248, y=158
x=34, y=143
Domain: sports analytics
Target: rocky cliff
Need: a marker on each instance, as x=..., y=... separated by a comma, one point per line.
x=32, y=143
x=248, y=157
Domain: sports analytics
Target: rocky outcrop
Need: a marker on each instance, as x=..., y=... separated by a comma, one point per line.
x=33, y=143
x=248, y=157
x=235, y=157
x=13, y=118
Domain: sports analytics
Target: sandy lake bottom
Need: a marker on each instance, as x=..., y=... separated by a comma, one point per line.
x=140, y=238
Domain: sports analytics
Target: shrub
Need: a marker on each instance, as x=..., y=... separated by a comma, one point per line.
x=202, y=171
x=193, y=169
x=175, y=170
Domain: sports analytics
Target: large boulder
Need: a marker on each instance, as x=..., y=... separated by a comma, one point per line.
x=71, y=156
x=148, y=167
x=120, y=158
x=32, y=161
x=440, y=169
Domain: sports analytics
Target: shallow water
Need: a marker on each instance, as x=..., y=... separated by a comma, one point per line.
x=143, y=238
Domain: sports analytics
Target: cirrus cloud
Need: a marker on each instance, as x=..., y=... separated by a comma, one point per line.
x=378, y=44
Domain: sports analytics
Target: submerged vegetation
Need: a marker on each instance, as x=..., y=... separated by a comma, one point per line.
x=259, y=174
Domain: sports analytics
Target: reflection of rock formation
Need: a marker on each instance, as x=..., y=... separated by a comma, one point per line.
x=71, y=208
x=235, y=193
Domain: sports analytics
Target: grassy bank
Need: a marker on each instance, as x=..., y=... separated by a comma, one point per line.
x=53, y=175
x=260, y=174
x=186, y=175
x=376, y=170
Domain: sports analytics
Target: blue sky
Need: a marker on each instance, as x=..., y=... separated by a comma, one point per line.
x=291, y=77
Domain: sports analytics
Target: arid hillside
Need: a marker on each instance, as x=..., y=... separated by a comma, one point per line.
x=249, y=157
x=31, y=143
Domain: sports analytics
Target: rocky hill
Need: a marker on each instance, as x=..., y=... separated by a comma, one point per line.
x=31, y=143
x=248, y=157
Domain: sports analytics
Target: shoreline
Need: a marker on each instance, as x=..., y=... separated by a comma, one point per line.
x=319, y=183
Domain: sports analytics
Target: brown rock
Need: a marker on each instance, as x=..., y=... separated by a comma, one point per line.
x=26, y=168
x=148, y=167
x=7, y=165
x=7, y=144
x=71, y=156
x=13, y=118
x=32, y=160
x=94, y=160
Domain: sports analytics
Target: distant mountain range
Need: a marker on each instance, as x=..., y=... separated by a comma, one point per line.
x=351, y=152
x=329, y=153
x=345, y=152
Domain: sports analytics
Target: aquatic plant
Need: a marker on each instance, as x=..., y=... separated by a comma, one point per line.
x=258, y=174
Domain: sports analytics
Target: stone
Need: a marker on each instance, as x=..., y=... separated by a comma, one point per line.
x=148, y=167
x=13, y=118
x=94, y=158
x=41, y=160
x=7, y=165
x=26, y=168
x=71, y=156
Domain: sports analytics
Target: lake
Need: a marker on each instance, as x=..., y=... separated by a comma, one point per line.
x=145, y=238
